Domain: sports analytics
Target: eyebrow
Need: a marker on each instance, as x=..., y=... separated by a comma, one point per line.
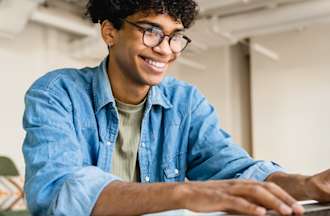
x=159, y=26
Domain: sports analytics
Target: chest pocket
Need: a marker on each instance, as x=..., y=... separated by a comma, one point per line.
x=174, y=169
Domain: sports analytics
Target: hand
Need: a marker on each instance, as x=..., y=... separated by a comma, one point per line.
x=318, y=186
x=239, y=196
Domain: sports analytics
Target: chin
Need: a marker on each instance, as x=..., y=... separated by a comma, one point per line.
x=154, y=82
x=152, y=79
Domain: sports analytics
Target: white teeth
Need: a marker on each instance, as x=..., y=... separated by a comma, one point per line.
x=155, y=64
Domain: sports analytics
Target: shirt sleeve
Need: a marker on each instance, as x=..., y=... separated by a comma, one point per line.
x=212, y=153
x=57, y=182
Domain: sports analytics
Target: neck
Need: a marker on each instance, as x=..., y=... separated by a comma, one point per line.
x=125, y=89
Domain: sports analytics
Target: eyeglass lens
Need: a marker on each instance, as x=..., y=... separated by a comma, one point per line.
x=153, y=37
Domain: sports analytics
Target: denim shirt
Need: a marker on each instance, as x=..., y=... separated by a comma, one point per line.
x=71, y=124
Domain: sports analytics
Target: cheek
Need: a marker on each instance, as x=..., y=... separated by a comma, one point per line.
x=125, y=52
x=131, y=49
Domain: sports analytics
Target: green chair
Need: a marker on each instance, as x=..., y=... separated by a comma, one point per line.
x=15, y=213
x=8, y=168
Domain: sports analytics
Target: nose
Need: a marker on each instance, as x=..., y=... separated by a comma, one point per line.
x=164, y=47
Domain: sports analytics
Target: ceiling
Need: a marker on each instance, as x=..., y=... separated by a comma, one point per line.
x=220, y=23
x=207, y=7
x=230, y=21
x=227, y=13
x=226, y=22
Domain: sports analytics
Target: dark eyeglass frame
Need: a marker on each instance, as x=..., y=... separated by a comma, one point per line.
x=171, y=36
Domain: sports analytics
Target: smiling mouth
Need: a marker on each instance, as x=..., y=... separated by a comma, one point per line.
x=155, y=65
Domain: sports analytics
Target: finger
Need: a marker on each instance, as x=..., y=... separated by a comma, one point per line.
x=260, y=195
x=242, y=206
x=285, y=197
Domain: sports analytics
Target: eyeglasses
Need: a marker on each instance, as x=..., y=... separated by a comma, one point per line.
x=153, y=37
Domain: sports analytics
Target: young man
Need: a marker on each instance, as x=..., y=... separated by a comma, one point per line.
x=120, y=139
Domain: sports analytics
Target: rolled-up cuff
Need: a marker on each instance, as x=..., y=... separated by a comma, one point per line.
x=261, y=170
x=79, y=194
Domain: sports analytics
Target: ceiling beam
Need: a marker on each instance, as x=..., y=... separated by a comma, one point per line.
x=274, y=20
x=212, y=4
x=14, y=15
x=64, y=21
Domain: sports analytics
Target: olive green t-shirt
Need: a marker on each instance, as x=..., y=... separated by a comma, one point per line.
x=124, y=159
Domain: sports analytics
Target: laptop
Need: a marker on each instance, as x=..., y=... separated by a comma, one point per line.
x=312, y=208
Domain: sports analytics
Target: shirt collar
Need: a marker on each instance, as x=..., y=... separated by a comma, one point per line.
x=103, y=95
x=156, y=96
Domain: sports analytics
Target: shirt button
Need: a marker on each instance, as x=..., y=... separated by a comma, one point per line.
x=147, y=178
x=143, y=145
x=176, y=171
x=109, y=143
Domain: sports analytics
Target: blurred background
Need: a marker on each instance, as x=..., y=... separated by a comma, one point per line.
x=263, y=64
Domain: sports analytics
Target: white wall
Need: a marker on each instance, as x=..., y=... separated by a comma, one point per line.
x=23, y=59
x=291, y=100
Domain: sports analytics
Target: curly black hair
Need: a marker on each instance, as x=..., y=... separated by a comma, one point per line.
x=116, y=10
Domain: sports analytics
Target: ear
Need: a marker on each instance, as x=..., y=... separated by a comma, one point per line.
x=109, y=33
